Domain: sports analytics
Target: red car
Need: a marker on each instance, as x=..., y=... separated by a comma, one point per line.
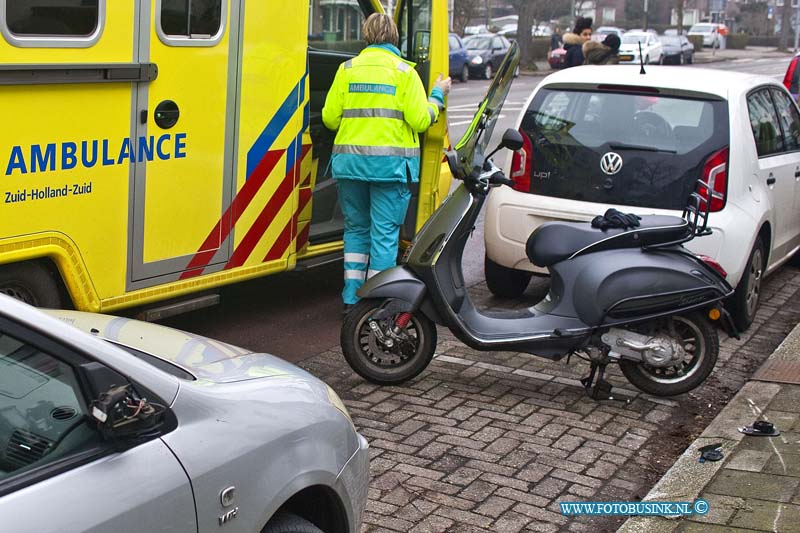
x=557, y=58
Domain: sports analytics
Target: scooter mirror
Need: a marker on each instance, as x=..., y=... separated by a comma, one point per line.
x=512, y=139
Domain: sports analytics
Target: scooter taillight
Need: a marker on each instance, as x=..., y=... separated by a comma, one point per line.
x=521, y=165
x=713, y=264
x=715, y=177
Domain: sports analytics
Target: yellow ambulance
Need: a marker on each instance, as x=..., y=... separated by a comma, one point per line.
x=158, y=149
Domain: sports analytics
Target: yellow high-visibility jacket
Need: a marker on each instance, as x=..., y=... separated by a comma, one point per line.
x=379, y=106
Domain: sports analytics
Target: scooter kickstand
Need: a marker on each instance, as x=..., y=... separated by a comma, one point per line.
x=601, y=390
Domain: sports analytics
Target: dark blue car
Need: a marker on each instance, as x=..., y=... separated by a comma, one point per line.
x=459, y=67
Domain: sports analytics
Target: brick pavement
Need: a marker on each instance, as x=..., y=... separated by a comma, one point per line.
x=492, y=441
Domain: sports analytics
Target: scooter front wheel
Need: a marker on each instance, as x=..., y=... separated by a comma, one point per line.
x=386, y=351
x=700, y=343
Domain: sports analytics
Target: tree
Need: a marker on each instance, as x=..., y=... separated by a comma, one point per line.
x=530, y=12
x=679, y=14
x=786, y=25
x=463, y=12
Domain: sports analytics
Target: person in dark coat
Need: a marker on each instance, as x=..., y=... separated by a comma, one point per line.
x=555, y=39
x=573, y=42
x=605, y=53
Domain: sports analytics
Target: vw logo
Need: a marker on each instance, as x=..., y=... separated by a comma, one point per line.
x=611, y=163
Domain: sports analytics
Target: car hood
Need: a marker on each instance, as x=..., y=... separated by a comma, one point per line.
x=671, y=47
x=208, y=360
x=473, y=52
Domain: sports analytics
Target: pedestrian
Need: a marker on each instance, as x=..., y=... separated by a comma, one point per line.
x=378, y=106
x=555, y=39
x=605, y=53
x=573, y=42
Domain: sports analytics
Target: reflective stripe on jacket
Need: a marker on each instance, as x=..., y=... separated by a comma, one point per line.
x=379, y=106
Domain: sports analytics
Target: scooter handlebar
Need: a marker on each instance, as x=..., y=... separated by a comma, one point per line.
x=498, y=178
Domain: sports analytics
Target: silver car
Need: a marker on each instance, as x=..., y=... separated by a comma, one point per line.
x=128, y=426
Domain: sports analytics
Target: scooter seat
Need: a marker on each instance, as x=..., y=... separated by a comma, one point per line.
x=553, y=242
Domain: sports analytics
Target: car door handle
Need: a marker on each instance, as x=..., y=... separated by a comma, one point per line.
x=771, y=180
x=797, y=173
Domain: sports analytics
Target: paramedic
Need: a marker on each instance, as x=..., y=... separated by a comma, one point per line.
x=378, y=106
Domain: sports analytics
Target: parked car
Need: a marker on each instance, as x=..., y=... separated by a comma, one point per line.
x=677, y=49
x=651, y=49
x=486, y=52
x=601, y=137
x=557, y=58
x=792, y=78
x=709, y=31
x=459, y=68
x=604, y=31
x=109, y=424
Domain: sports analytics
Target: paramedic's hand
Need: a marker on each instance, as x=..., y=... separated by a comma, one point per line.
x=443, y=84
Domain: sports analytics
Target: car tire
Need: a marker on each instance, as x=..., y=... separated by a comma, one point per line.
x=33, y=283
x=290, y=523
x=691, y=59
x=661, y=59
x=487, y=71
x=681, y=59
x=464, y=74
x=503, y=281
x=743, y=305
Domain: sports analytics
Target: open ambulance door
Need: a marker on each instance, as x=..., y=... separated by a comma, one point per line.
x=423, y=27
x=335, y=37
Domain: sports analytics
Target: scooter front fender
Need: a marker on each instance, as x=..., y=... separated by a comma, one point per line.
x=396, y=283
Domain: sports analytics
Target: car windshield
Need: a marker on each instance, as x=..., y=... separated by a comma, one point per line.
x=635, y=38
x=472, y=145
x=701, y=28
x=661, y=140
x=478, y=43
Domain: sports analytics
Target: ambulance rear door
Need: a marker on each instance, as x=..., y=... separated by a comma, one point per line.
x=185, y=140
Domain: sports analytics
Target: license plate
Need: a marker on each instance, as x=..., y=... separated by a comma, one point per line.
x=626, y=57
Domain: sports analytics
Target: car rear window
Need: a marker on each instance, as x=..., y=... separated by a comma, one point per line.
x=659, y=144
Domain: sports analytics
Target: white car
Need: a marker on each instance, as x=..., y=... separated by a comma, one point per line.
x=601, y=137
x=651, y=50
x=709, y=32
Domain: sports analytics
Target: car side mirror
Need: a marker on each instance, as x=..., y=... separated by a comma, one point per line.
x=512, y=139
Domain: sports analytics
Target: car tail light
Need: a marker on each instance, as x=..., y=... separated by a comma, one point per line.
x=521, y=165
x=711, y=262
x=715, y=177
x=787, y=80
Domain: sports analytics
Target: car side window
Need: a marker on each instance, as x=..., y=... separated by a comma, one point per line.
x=454, y=43
x=789, y=118
x=764, y=123
x=43, y=415
x=497, y=43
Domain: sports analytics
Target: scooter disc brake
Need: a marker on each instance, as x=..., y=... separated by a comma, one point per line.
x=384, y=355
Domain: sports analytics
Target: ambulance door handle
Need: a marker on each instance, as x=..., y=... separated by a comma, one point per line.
x=166, y=114
x=143, y=116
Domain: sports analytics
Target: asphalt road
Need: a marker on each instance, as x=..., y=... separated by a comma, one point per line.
x=297, y=314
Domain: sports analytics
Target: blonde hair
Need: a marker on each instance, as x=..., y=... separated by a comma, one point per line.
x=379, y=28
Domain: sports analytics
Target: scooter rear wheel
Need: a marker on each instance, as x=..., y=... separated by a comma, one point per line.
x=701, y=344
x=410, y=353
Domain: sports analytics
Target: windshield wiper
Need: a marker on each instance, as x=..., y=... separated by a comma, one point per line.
x=623, y=146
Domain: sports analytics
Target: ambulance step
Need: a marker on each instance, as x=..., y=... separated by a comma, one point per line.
x=319, y=260
x=177, y=308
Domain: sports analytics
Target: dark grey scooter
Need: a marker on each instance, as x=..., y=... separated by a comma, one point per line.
x=635, y=297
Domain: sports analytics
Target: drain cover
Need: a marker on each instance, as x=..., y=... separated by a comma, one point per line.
x=779, y=371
